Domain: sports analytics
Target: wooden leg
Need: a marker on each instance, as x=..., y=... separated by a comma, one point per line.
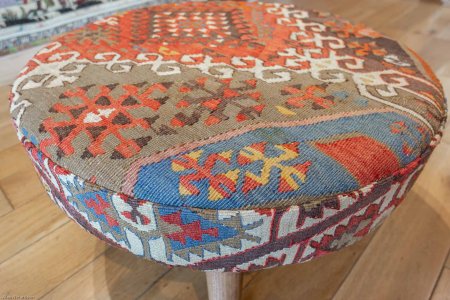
x=224, y=285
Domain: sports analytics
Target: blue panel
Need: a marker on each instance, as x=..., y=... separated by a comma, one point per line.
x=158, y=183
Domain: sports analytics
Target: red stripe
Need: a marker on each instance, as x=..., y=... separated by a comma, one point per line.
x=366, y=159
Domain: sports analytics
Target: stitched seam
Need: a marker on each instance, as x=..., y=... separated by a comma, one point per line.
x=420, y=158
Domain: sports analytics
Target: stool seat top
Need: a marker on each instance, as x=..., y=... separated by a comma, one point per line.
x=228, y=105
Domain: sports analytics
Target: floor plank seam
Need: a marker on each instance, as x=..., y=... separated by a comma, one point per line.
x=153, y=284
x=23, y=249
x=250, y=281
x=5, y=198
x=19, y=206
x=433, y=290
x=74, y=273
x=375, y=233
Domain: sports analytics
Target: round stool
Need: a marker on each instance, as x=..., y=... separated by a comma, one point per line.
x=227, y=136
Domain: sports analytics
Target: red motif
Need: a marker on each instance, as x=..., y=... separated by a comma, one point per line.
x=192, y=230
x=101, y=116
x=99, y=205
x=221, y=185
x=215, y=101
x=361, y=156
x=315, y=93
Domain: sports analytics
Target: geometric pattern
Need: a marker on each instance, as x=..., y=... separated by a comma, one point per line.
x=251, y=171
x=256, y=153
x=227, y=135
x=101, y=116
x=224, y=240
x=221, y=185
x=217, y=101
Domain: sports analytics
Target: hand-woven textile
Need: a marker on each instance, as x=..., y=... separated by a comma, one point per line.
x=227, y=135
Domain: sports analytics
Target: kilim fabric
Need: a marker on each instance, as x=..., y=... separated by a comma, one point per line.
x=227, y=136
x=28, y=23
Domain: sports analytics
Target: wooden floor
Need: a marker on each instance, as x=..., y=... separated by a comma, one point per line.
x=44, y=255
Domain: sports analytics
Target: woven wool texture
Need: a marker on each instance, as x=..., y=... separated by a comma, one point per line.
x=227, y=136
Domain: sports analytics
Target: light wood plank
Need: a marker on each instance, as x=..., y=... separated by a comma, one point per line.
x=116, y=274
x=395, y=11
x=183, y=283
x=5, y=206
x=8, y=135
x=435, y=55
x=18, y=179
x=179, y=284
x=13, y=160
x=22, y=186
x=45, y=264
x=421, y=12
x=317, y=279
x=434, y=182
x=434, y=22
x=442, y=291
x=346, y=9
x=404, y=259
x=27, y=224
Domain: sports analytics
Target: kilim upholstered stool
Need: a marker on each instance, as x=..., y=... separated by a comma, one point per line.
x=227, y=136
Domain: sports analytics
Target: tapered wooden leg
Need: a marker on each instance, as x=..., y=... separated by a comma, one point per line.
x=224, y=285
